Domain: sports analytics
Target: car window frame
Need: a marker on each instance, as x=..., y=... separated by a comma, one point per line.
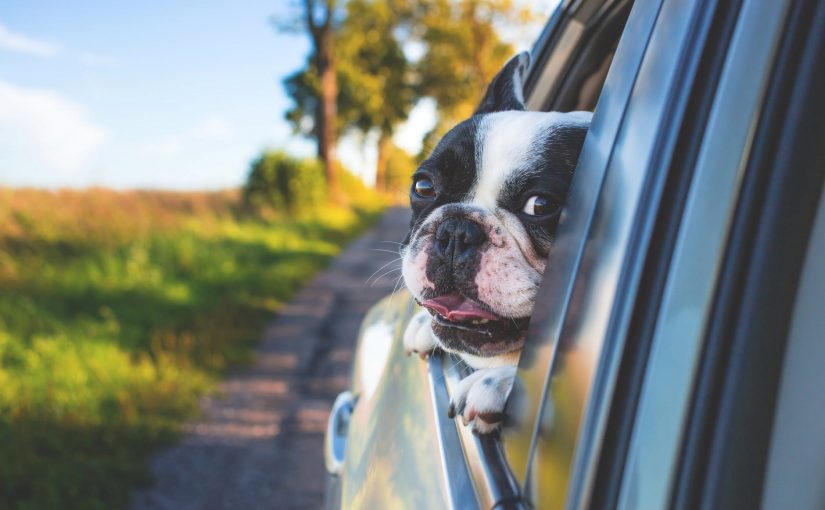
x=713, y=26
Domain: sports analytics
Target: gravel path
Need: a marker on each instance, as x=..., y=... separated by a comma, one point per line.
x=259, y=443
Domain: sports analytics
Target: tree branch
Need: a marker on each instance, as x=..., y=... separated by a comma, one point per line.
x=314, y=31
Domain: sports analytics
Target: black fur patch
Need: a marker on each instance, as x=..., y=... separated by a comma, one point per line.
x=501, y=94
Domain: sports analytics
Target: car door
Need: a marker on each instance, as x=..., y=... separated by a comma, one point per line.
x=601, y=408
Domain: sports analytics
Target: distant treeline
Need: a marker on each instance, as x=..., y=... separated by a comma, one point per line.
x=372, y=61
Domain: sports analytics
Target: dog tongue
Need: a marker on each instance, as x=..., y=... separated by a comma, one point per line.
x=458, y=308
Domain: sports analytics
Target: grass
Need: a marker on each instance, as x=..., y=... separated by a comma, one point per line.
x=117, y=311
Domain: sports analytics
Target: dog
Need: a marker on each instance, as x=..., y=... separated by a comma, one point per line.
x=485, y=206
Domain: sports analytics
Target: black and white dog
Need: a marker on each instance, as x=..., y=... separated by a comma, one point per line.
x=485, y=207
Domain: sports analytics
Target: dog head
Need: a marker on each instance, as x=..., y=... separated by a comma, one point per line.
x=485, y=206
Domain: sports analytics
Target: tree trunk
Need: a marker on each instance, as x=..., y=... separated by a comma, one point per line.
x=381, y=164
x=327, y=113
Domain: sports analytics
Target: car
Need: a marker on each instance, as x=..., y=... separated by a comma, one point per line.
x=674, y=357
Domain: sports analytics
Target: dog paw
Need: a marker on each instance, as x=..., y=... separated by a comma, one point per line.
x=480, y=398
x=419, y=337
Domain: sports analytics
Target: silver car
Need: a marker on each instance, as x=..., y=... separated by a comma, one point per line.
x=676, y=354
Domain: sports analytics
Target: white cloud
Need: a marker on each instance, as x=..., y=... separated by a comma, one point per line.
x=20, y=43
x=41, y=127
x=97, y=60
x=213, y=129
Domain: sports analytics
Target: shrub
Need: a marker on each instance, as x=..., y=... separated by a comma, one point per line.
x=283, y=183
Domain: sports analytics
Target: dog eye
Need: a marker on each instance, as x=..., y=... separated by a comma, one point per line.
x=424, y=188
x=536, y=206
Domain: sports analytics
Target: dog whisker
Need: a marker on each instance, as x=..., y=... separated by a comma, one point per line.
x=385, y=251
x=389, y=272
x=380, y=269
x=396, y=288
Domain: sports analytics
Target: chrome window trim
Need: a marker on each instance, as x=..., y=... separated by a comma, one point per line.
x=459, y=484
x=678, y=339
x=492, y=478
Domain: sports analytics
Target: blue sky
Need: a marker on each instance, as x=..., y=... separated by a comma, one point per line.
x=177, y=95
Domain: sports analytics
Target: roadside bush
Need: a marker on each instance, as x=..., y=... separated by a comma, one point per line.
x=283, y=183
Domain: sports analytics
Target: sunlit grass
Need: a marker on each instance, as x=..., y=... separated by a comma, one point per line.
x=117, y=311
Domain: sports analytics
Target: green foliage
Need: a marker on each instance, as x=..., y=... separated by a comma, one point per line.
x=375, y=79
x=464, y=51
x=284, y=183
x=378, y=84
x=304, y=87
x=281, y=185
x=117, y=311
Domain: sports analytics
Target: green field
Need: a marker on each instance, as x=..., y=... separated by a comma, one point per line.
x=117, y=311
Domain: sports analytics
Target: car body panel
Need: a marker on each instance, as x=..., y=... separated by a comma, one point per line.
x=399, y=429
x=391, y=443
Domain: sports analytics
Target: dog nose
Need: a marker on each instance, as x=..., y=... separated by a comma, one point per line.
x=458, y=239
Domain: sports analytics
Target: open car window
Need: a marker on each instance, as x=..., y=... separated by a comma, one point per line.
x=570, y=65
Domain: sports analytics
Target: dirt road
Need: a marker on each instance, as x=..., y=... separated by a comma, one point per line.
x=259, y=443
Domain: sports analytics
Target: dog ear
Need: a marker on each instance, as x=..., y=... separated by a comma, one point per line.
x=506, y=91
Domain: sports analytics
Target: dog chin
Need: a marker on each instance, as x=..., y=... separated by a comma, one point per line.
x=493, y=338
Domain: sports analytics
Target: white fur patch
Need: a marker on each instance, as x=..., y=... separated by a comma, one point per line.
x=504, y=141
x=483, y=391
x=419, y=337
x=414, y=269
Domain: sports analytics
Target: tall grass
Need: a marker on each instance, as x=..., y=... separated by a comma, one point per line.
x=117, y=311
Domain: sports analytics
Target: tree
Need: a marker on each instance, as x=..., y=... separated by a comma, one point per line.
x=464, y=51
x=377, y=84
x=400, y=167
x=315, y=90
x=377, y=90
